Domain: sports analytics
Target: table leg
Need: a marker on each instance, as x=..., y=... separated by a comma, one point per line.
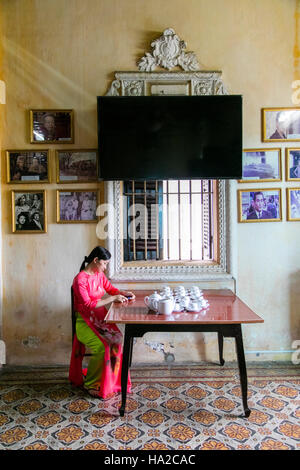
x=130, y=351
x=242, y=368
x=220, y=341
x=127, y=348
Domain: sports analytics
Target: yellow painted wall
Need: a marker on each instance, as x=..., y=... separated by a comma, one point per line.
x=62, y=54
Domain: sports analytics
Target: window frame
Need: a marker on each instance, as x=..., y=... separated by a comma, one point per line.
x=162, y=262
x=166, y=270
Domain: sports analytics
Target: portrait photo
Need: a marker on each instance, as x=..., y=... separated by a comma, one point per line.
x=51, y=126
x=261, y=205
x=29, y=211
x=25, y=166
x=77, y=206
x=280, y=124
x=261, y=165
x=293, y=204
x=76, y=166
x=292, y=164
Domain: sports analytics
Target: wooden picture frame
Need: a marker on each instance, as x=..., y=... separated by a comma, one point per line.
x=51, y=126
x=268, y=201
x=281, y=124
x=29, y=211
x=27, y=166
x=77, y=206
x=293, y=204
x=76, y=166
x=292, y=164
x=261, y=165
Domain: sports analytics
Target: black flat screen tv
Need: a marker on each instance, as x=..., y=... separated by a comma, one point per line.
x=170, y=137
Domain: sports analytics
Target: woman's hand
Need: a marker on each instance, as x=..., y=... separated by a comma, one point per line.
x=129, y=295
x=119, y=298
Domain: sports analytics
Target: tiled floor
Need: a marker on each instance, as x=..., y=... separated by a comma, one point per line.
x=179, y=407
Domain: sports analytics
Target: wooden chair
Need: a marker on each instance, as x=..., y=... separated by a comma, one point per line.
x=73, y=317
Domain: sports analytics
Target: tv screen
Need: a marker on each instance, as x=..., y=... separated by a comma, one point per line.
x=170, y=137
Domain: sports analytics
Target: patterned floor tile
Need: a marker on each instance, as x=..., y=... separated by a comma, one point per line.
x=173, y=411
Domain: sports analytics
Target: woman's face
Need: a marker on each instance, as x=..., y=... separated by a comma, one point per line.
x=101, y=264
x=22, y=219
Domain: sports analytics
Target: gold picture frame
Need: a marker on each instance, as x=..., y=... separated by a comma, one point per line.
x=267, y=200
x=27, y=166
x=76, y=166
x=293, y=204
x=261, y=165
x=281, y=124
x=292, y=171
x=29, y=211
x=76, y=206
x=51, y=126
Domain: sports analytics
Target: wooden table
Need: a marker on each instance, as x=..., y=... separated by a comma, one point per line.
x=225, y=315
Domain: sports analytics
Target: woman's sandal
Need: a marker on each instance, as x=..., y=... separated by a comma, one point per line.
x=93, y=392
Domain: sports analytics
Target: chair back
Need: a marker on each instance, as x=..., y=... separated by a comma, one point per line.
x=73, y=317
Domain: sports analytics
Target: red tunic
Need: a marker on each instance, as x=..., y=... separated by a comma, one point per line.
x=87, y=290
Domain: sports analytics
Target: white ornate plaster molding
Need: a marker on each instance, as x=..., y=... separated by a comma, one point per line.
x=168, y=52
x=139, y=83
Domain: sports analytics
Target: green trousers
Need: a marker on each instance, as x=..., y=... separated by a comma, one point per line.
x=87, y=337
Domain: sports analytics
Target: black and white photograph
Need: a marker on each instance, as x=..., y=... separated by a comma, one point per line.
x=29, y=211
x=293, y=164
x=76, y=166
x=293, y=204
x=76, y=206
x=280, y=124
x=261, y=165
x=51, y=126
x=26, y=166
x=261, y=205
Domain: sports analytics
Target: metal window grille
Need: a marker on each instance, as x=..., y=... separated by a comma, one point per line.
x=168, y=220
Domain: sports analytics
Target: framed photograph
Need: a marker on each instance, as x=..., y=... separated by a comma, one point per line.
x=261, y=165
x=76, y=166
x=280, y=124
x=50, y=126
x=261, y=205
x=29, y=211
x=26, y=166
x=77, y=206
x=292, y=164
x=293, y=204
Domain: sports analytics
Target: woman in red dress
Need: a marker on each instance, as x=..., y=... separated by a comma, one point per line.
x=103, y=376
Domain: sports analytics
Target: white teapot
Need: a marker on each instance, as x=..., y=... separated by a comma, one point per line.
x=150, y=299
x=164, y=306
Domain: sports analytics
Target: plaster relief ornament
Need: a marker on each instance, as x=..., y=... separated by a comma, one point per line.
x=168, y=52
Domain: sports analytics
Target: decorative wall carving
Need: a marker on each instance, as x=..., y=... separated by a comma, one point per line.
x=168, y=52
x=139, y=83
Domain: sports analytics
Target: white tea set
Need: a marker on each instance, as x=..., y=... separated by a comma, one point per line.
x=178, y=300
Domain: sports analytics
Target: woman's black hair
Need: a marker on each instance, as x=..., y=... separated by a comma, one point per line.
x=98, y=252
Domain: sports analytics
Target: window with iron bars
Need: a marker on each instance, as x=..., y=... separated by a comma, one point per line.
x=170, y=221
